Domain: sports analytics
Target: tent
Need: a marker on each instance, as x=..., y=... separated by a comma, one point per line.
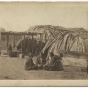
x=68, y=41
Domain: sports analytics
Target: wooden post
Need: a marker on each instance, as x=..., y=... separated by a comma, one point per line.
x=21, y=45
x=87, y=69
x=21, y=55
x=14, y=41
x=32, y=44
x=7, y=40
x=87, y=66
x=24, y=44
x=40, y=41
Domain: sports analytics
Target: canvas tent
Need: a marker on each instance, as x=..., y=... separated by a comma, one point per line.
x=67, y=41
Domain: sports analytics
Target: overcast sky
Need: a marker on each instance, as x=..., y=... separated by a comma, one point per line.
x=20, y=16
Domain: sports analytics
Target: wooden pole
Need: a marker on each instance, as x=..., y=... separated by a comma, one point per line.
x=21, y=45
x=22, y=56
x=14, y=41
x=87, y=66
x=32, y=44
x=7, y=40
x=87, y=28
x=40, y=41
x=24, y=44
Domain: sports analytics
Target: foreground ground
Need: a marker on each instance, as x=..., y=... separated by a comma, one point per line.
x=13, y=68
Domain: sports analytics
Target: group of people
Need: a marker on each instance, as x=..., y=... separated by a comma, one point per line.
x=31, y=46
x=37, y=61
x=53, y=63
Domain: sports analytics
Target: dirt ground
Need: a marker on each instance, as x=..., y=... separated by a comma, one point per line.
x=13, y=68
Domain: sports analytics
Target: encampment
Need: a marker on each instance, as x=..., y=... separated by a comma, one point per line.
x=44, y=33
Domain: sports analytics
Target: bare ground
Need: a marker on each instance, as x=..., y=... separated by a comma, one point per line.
x=13, y=69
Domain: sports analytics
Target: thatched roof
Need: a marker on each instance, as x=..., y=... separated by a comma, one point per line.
x=47, y=29
x=65, y=42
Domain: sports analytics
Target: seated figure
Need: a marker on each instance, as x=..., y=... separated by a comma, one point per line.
x=59, y=66
x=29, y=65
x=38, y=61
x=51, y=62
x=54, y=63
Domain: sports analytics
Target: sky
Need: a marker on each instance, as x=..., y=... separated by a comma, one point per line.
x=21, y=16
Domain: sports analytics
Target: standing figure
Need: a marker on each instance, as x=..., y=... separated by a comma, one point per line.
x=38, y=47
x=9, y=50
x=29, y=46
x=34, y=45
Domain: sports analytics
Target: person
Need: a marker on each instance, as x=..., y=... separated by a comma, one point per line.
x=38, y=61
x=9, y=50
x=59, y=65
x=29, y=46
x=38, y=47
x=51, y=63
x=34, y=45
x=29, y=63
x=41, y=60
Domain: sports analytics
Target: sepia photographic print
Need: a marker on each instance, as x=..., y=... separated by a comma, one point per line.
x=43, y=43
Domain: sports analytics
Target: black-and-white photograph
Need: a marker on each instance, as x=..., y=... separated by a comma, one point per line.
x=43, y=41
